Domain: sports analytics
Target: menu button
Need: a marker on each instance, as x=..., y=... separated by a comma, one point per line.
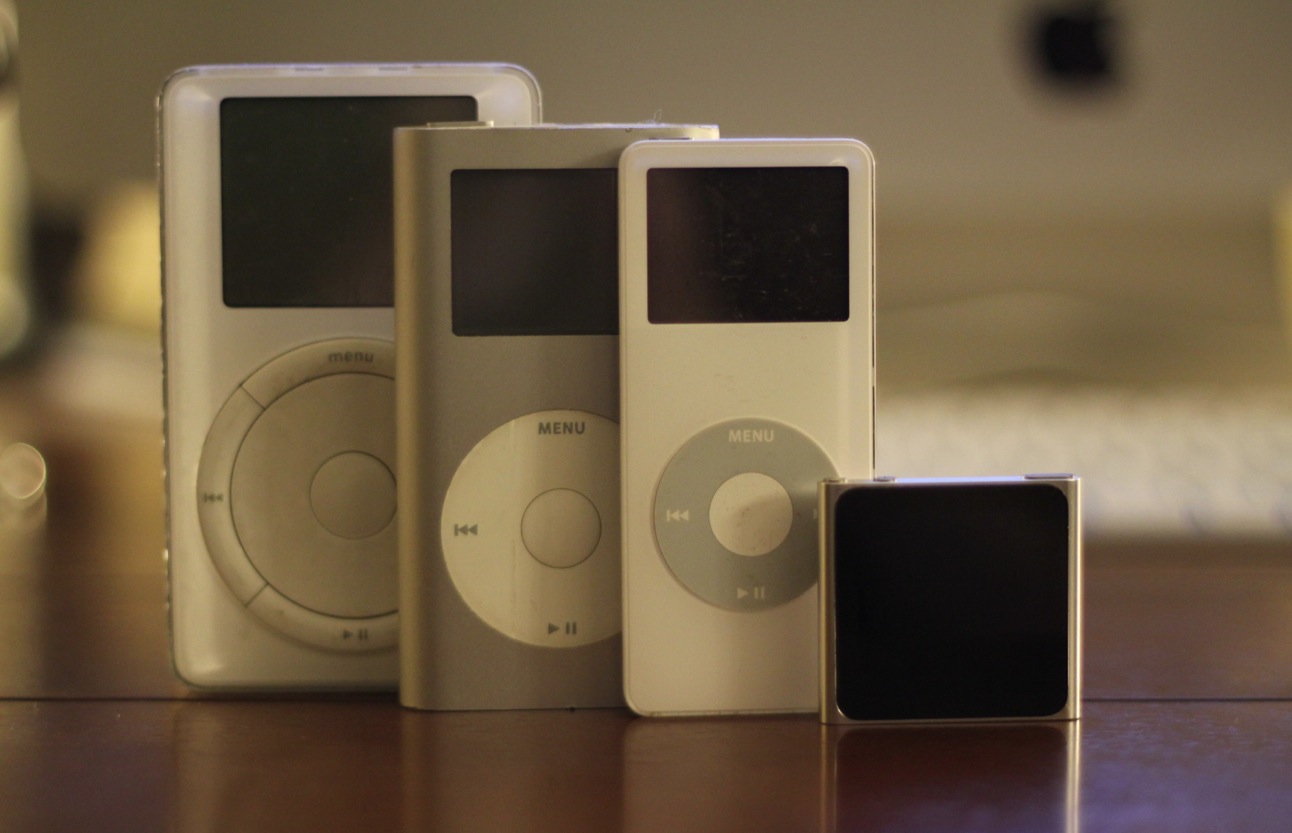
x=545, y=428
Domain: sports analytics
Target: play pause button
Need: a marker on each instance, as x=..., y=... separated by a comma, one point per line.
x=751, y=593
x=570, y=628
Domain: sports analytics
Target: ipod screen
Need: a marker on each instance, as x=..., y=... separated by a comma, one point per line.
x=535, y=251
x=306, y=201
x=951, y=601
x=737, y=245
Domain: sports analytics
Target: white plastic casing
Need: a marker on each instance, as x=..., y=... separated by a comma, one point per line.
x=682, y=654
x=211, y=349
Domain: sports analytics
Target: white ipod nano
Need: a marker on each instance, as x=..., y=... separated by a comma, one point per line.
x=747, y=377
x=507, y=392
x=279, y=362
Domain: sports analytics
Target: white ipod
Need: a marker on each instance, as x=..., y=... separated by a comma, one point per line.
x=507, y=401
x=747, y=377
x=279, y=359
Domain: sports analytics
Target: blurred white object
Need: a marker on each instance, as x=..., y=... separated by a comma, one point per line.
x=16, y=315
x=23, y=508
x=22, y=476
x=1166, y=461
x=109, y=374
x=118, y=274
x=1283, y=255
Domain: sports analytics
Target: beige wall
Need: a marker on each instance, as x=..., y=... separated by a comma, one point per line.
x=1158, y=195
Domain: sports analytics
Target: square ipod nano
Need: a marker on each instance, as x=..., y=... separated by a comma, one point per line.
x=278, y=285
x=951, y=600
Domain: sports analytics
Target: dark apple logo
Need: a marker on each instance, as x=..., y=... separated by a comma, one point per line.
x=1073, y=45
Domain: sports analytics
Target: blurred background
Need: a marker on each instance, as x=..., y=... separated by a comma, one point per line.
x=1084, y=221
x=1086, y=190
x=1083, y=207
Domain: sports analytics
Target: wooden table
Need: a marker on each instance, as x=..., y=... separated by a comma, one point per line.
x=313, y=766
x=1187, y=724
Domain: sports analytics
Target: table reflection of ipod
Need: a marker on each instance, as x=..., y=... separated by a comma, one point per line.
x=507, y=400
x=747, y=377
x=278, y=287
x=1018, y=776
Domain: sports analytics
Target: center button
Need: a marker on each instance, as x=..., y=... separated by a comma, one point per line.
x=561, y=528
x=353, y=495
x=751, y=514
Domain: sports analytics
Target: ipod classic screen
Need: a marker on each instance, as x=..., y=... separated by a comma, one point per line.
x=306, y=196
x=747, y=245
x=558, y=273
x=952, y=601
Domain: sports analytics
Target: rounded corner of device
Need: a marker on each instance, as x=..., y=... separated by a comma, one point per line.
x=175, y=84
x=633, y=703
x=628, y=159
x=189, y=673
x=523, y=76
x=863, y=149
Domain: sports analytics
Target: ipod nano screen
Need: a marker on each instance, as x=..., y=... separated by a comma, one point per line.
x=535, y=251
x=736, y=245
x=951, y=601
x=306, y=196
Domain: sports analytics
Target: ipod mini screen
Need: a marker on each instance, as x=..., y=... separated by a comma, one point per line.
x=557, y=273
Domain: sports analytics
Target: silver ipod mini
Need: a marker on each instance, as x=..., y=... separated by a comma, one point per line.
x=507, y=395
x=279, y=360
x=951, y=599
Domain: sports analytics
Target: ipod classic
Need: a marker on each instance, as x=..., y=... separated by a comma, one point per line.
x=507, y=399
x=951, y=599
x=279, y=360
x=747, y=377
